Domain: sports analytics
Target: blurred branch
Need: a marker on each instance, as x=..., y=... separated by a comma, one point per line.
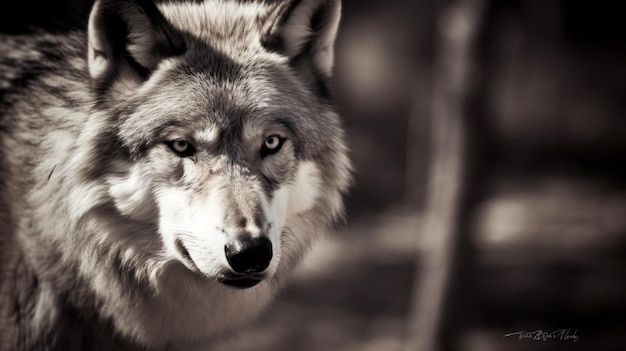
x=459, y=26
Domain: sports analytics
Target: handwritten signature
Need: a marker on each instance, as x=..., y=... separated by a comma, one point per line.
x=540, y=335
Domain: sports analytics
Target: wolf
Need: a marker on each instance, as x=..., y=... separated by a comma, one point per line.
x=164, y=170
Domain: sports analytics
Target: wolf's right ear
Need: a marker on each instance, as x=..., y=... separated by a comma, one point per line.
x=305, y=32
x=127, y=39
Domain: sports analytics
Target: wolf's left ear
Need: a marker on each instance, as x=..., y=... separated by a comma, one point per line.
x=305, y=31
x=127, y=40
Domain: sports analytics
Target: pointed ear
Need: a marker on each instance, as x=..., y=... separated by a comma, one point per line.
x=126, y=41
x=305, y=31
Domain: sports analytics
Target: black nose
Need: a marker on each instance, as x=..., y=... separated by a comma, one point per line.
x=249, y=255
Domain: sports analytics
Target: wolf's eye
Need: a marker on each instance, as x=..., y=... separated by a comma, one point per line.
x=273, y=142
x=181, y=147
x=272, y=145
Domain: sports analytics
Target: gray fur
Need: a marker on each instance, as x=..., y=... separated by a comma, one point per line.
x=84, y=259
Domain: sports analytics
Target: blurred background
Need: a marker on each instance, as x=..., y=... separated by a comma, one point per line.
x=489, y=140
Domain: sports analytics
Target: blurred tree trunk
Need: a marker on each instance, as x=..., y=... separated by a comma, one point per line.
x=447, y=197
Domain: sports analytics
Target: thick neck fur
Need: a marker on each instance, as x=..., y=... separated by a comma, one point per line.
x=34, y=319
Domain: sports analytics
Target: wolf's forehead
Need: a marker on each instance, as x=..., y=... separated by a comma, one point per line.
x=208, y=134
x=243, y=128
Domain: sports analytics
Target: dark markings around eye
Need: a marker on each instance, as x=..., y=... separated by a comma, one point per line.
x=272, y=145
x=181, y=147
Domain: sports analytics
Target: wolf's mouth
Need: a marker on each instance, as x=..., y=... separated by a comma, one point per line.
x=235, y=280
x=240, y=281
x=186, y=257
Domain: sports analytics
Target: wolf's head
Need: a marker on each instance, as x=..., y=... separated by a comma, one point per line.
x=214, y=124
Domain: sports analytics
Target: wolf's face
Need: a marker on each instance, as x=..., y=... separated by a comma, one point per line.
x=227, y=145
x=223, y=165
